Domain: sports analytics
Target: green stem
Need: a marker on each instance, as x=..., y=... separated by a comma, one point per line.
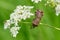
x=50, y=26
x=45, y=25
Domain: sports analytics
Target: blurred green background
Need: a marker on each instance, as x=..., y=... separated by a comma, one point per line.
x=42, y=32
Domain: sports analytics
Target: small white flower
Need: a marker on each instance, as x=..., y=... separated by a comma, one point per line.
x=57, y=10
x=36, y=1
x=14, y=31
x=7, y=24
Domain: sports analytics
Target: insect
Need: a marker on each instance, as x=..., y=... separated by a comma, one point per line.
x=37, y=19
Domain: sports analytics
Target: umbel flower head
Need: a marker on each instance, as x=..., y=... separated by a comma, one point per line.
x=58, y=1
x=14, y=31
x=36, y=1
x=57, y=8
x=56, y=4
x=51, y=3
x=21, y=12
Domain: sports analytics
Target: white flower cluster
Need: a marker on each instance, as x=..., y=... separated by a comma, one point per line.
x=55, y=3
x=50, y=2
x=57, y=10
x=36, y=1
x=58, y=1
x=21, y=12
x=14, y=31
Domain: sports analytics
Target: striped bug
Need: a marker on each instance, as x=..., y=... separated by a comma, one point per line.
x=37, y=19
